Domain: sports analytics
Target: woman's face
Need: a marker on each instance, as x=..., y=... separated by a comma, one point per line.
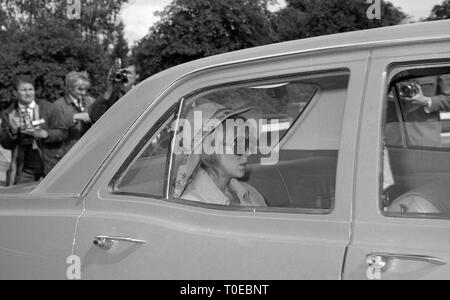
x=232, y=166
x=233, y=162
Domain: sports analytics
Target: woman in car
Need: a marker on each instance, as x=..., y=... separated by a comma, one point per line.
x=216, y=178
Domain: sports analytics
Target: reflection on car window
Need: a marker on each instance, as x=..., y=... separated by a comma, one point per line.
x=146, y=175
x=417, y=143
x=271, y=144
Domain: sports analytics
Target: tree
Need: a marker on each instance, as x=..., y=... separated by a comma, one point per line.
x=440, y=12
x=191, y=29
x=37, y=39
x=307, y=18
x=99, y=18
x=121, y=48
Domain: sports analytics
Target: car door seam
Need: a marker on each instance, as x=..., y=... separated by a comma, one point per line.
x=83, y=211
x=352, y=202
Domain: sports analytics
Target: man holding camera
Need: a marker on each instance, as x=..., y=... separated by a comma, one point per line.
x=33, y=131
x=422, y=115
x=120, y=81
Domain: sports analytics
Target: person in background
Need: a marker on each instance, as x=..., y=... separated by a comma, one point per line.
x=5, y=154
x=75, y=108
x=33, y=131
x=422, y=117
x=116, y=88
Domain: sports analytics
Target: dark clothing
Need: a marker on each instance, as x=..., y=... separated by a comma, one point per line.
x=35, y=157
x=76, y=130
x=103, y=105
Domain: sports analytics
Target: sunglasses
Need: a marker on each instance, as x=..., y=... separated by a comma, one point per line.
x=239, y=147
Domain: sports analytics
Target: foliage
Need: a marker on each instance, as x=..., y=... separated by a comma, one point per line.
x=37, y=39
x=191, y=29
x=308, y=18
x=440, y=12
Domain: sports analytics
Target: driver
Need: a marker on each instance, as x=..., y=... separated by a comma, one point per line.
x=217, y=178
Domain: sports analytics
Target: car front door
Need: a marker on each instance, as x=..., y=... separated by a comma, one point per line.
x=36, y=236
x=133, y=226
x=401, y=223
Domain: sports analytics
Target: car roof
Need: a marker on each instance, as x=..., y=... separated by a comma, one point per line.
x=92, y=150
x=370, y=38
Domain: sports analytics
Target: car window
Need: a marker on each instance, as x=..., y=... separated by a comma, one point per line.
x=291, y=131
x=416, y=152
x=145, y=171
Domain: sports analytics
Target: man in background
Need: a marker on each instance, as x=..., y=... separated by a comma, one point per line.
x=116, y=88
x=5, y=154
x=33, y=131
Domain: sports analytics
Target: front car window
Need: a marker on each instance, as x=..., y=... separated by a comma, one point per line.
x=417, y=143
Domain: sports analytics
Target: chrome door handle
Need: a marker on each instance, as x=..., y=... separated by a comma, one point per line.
x=106, y=242
x=381, y=260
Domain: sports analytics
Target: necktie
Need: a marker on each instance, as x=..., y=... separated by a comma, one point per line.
x=80, y=105
x=26, y=117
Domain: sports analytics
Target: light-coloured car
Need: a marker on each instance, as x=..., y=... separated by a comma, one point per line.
x=359, y=188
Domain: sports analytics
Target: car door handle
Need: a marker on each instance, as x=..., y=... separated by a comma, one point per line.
x=381, y=260
x=106, y=242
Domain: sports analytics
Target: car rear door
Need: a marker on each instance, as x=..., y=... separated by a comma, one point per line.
x=132, y=234
x=398, y=233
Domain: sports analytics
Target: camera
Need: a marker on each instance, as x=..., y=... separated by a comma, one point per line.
x=408, y=89
x=30, y=125
x=119, y=75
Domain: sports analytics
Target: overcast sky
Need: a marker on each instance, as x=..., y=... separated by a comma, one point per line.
x=138, y=15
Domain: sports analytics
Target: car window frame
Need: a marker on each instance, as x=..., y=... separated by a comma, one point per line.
x=128, y=162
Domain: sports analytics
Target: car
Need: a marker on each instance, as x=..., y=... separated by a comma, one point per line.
x=357, y=186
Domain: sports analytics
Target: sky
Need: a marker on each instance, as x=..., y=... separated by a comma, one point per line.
x=138, y=15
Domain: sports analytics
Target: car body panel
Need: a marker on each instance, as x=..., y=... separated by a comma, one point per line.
x=37, y=235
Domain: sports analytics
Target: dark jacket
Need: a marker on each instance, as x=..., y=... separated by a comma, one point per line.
x=103, y=105
x=49, y=149
x=68, y=109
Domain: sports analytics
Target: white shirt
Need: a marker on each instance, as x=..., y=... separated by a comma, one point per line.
x=29, y=108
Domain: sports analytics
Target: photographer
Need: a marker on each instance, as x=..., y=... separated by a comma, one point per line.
x=34, y=131
x=423, y=113
x=120, y=81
